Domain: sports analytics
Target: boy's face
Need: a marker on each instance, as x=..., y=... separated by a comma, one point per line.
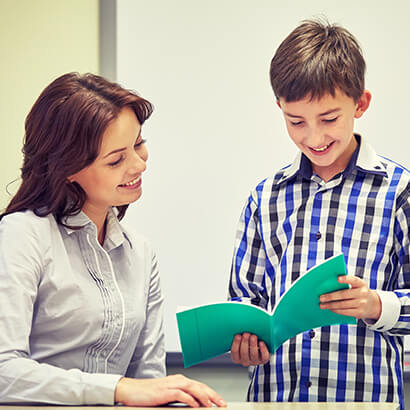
x=323, y=129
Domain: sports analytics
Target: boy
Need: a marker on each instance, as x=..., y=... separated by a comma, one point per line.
x=337, y=196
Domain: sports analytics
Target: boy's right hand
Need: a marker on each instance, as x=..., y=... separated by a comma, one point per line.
x=247, y=351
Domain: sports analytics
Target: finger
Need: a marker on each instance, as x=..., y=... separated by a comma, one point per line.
x=235, y=348
x=264, y=352
x=351, y=280
x=348, y=312
x=339, y=295
x=344, y=304
x=215, y=398
x=254, y=349
x=201, y=392
x=182, y=397
x=244, y=350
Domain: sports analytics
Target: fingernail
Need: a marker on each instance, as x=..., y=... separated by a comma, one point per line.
x=222, y=403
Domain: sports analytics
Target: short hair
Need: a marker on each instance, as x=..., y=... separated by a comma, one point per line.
x=63, y=134
x=315, y=59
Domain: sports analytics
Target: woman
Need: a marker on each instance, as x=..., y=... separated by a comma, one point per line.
x=80, y=300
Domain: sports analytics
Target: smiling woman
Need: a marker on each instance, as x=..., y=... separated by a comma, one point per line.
x=80, y=296
x=114, y=178
x=64, y=132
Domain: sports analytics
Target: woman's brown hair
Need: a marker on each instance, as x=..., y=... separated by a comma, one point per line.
x=63, y=133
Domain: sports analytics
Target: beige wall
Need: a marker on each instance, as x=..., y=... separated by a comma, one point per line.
x=39, y=40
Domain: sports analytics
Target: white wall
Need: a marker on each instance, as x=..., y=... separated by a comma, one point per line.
x=39, y=41
x=216, y=131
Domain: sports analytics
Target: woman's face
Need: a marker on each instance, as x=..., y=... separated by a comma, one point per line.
x=114, y=178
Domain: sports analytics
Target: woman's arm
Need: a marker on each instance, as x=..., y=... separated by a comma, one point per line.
x=148, y=359
x=24, y=251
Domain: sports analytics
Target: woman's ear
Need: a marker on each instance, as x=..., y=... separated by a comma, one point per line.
x=363, y=104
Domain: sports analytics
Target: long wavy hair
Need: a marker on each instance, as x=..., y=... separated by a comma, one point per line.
x=63, y=133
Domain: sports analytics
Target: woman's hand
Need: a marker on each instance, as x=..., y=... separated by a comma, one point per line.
x=247, y=351
x=359, y=301
x=176, y=388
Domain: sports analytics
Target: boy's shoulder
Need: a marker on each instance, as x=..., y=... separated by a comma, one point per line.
x=397, y=178
x=393, y=167
x=380, y=166
x=271, y=183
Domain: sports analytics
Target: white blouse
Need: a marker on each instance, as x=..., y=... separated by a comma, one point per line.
x=75, y=316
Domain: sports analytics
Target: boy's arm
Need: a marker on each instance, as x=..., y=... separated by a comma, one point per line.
x=383, y=311
x=247, y=280
x=398, y=301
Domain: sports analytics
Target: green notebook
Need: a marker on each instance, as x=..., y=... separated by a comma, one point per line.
x=208, y=331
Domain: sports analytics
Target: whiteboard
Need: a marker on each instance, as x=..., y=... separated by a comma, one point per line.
x=216, y=132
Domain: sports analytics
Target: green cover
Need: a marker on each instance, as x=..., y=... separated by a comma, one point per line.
x=208, y=331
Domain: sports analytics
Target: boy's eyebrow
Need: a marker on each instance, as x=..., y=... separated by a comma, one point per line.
x=119, y=149
x=333, y=110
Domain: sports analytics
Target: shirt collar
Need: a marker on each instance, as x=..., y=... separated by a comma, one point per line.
x=364, y=159
x=115, y=234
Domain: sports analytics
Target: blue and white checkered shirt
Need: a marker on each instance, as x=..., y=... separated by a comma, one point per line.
x=295, y=220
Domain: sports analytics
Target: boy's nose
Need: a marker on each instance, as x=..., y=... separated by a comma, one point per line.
x=316, y=138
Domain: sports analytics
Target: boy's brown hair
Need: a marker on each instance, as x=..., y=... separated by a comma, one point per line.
x=315, y=59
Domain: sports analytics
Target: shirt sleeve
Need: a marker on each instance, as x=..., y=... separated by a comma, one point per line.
x=23, y=253
x=247, y=279
x=148, y=360
x=395, y=316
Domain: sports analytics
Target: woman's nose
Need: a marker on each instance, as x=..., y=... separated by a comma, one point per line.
x=139, y=163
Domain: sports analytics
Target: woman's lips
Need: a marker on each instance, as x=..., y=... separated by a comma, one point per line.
x=135, y=183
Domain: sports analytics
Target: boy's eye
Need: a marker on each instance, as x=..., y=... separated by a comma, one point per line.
x=296, y=123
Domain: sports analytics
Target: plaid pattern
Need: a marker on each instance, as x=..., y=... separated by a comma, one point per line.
x=295, y=220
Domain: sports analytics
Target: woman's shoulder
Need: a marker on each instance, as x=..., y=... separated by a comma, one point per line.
x=27, y=238
x=135, y=238
x=27, y=223
x=138, y=242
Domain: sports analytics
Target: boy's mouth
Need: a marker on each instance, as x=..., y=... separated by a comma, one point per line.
x=321, y=150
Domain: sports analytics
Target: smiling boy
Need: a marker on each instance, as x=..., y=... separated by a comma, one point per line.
x=337, y=196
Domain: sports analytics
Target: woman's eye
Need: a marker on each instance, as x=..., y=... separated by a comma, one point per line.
x=296, y=123
x=115, y=163
x=331, y=119
x=139, y=143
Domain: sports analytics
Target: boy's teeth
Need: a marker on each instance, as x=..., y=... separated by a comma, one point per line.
x=321, y=149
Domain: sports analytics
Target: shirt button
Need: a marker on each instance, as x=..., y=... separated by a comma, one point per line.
x=318, y=235
x=311, y=334
x=308, y=384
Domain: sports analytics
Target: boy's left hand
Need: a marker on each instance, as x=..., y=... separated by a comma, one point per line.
x=359, y=301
